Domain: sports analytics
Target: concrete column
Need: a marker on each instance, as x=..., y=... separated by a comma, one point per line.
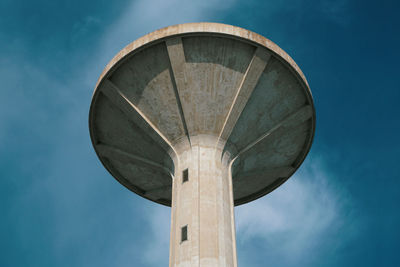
x=204, y=204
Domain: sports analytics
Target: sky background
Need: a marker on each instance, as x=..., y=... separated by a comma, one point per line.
x=60, y=207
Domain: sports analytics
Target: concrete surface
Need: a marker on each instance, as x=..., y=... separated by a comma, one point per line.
x=204, y=204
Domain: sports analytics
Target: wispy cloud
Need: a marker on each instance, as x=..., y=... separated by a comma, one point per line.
x=336, y=10
x=142, y=17
x=298, y=217
x=306, y=214
x=156, y=248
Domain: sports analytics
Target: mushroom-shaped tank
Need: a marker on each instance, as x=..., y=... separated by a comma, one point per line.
x=202, y=117
x=202, y=79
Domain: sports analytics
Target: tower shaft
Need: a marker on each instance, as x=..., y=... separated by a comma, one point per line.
x=202, y=216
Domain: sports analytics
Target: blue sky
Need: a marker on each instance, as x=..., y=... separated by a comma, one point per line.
x=60, y=207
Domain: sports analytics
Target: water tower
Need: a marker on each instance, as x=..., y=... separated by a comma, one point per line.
x=202, y=117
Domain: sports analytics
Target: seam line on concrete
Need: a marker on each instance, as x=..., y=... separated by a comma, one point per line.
x=218, y=207
x=172, y=227
x=232, y=207
x=199, y=201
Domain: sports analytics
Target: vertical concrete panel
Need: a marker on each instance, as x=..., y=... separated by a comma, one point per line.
x=232, y=214
x=221, y=219
x=208, y=210
x=173, y=236
x=195, y=226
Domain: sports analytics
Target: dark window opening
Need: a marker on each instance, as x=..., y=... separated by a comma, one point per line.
x=184, y=235
x=185, y=176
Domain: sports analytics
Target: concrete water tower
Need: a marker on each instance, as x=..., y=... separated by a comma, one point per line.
x=202, y=117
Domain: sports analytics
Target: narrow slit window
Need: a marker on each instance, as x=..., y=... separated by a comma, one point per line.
x=185, y=175
x=184, y=233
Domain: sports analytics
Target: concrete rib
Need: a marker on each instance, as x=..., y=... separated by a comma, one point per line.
x=177, y=64
x=123, y=156
x=297, y=117
x=249, y=82
x=112, y=92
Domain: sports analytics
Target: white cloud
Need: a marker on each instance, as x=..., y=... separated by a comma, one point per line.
x=156, y=250
x=298, y=216
x=336, y=11
x=145, y=16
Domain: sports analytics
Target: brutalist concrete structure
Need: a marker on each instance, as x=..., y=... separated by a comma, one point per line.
x=202, y=117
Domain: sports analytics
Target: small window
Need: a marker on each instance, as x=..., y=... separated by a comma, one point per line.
x=184, y=234
x=185, y=175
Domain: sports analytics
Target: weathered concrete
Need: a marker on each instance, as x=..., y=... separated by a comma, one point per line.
x=204, y=203
x=225, y=103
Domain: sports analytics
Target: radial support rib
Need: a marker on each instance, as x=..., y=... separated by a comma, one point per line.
x=249, y=82
x=114, y=153
x=291, y=121
x=112, y=92
x=177, y=72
